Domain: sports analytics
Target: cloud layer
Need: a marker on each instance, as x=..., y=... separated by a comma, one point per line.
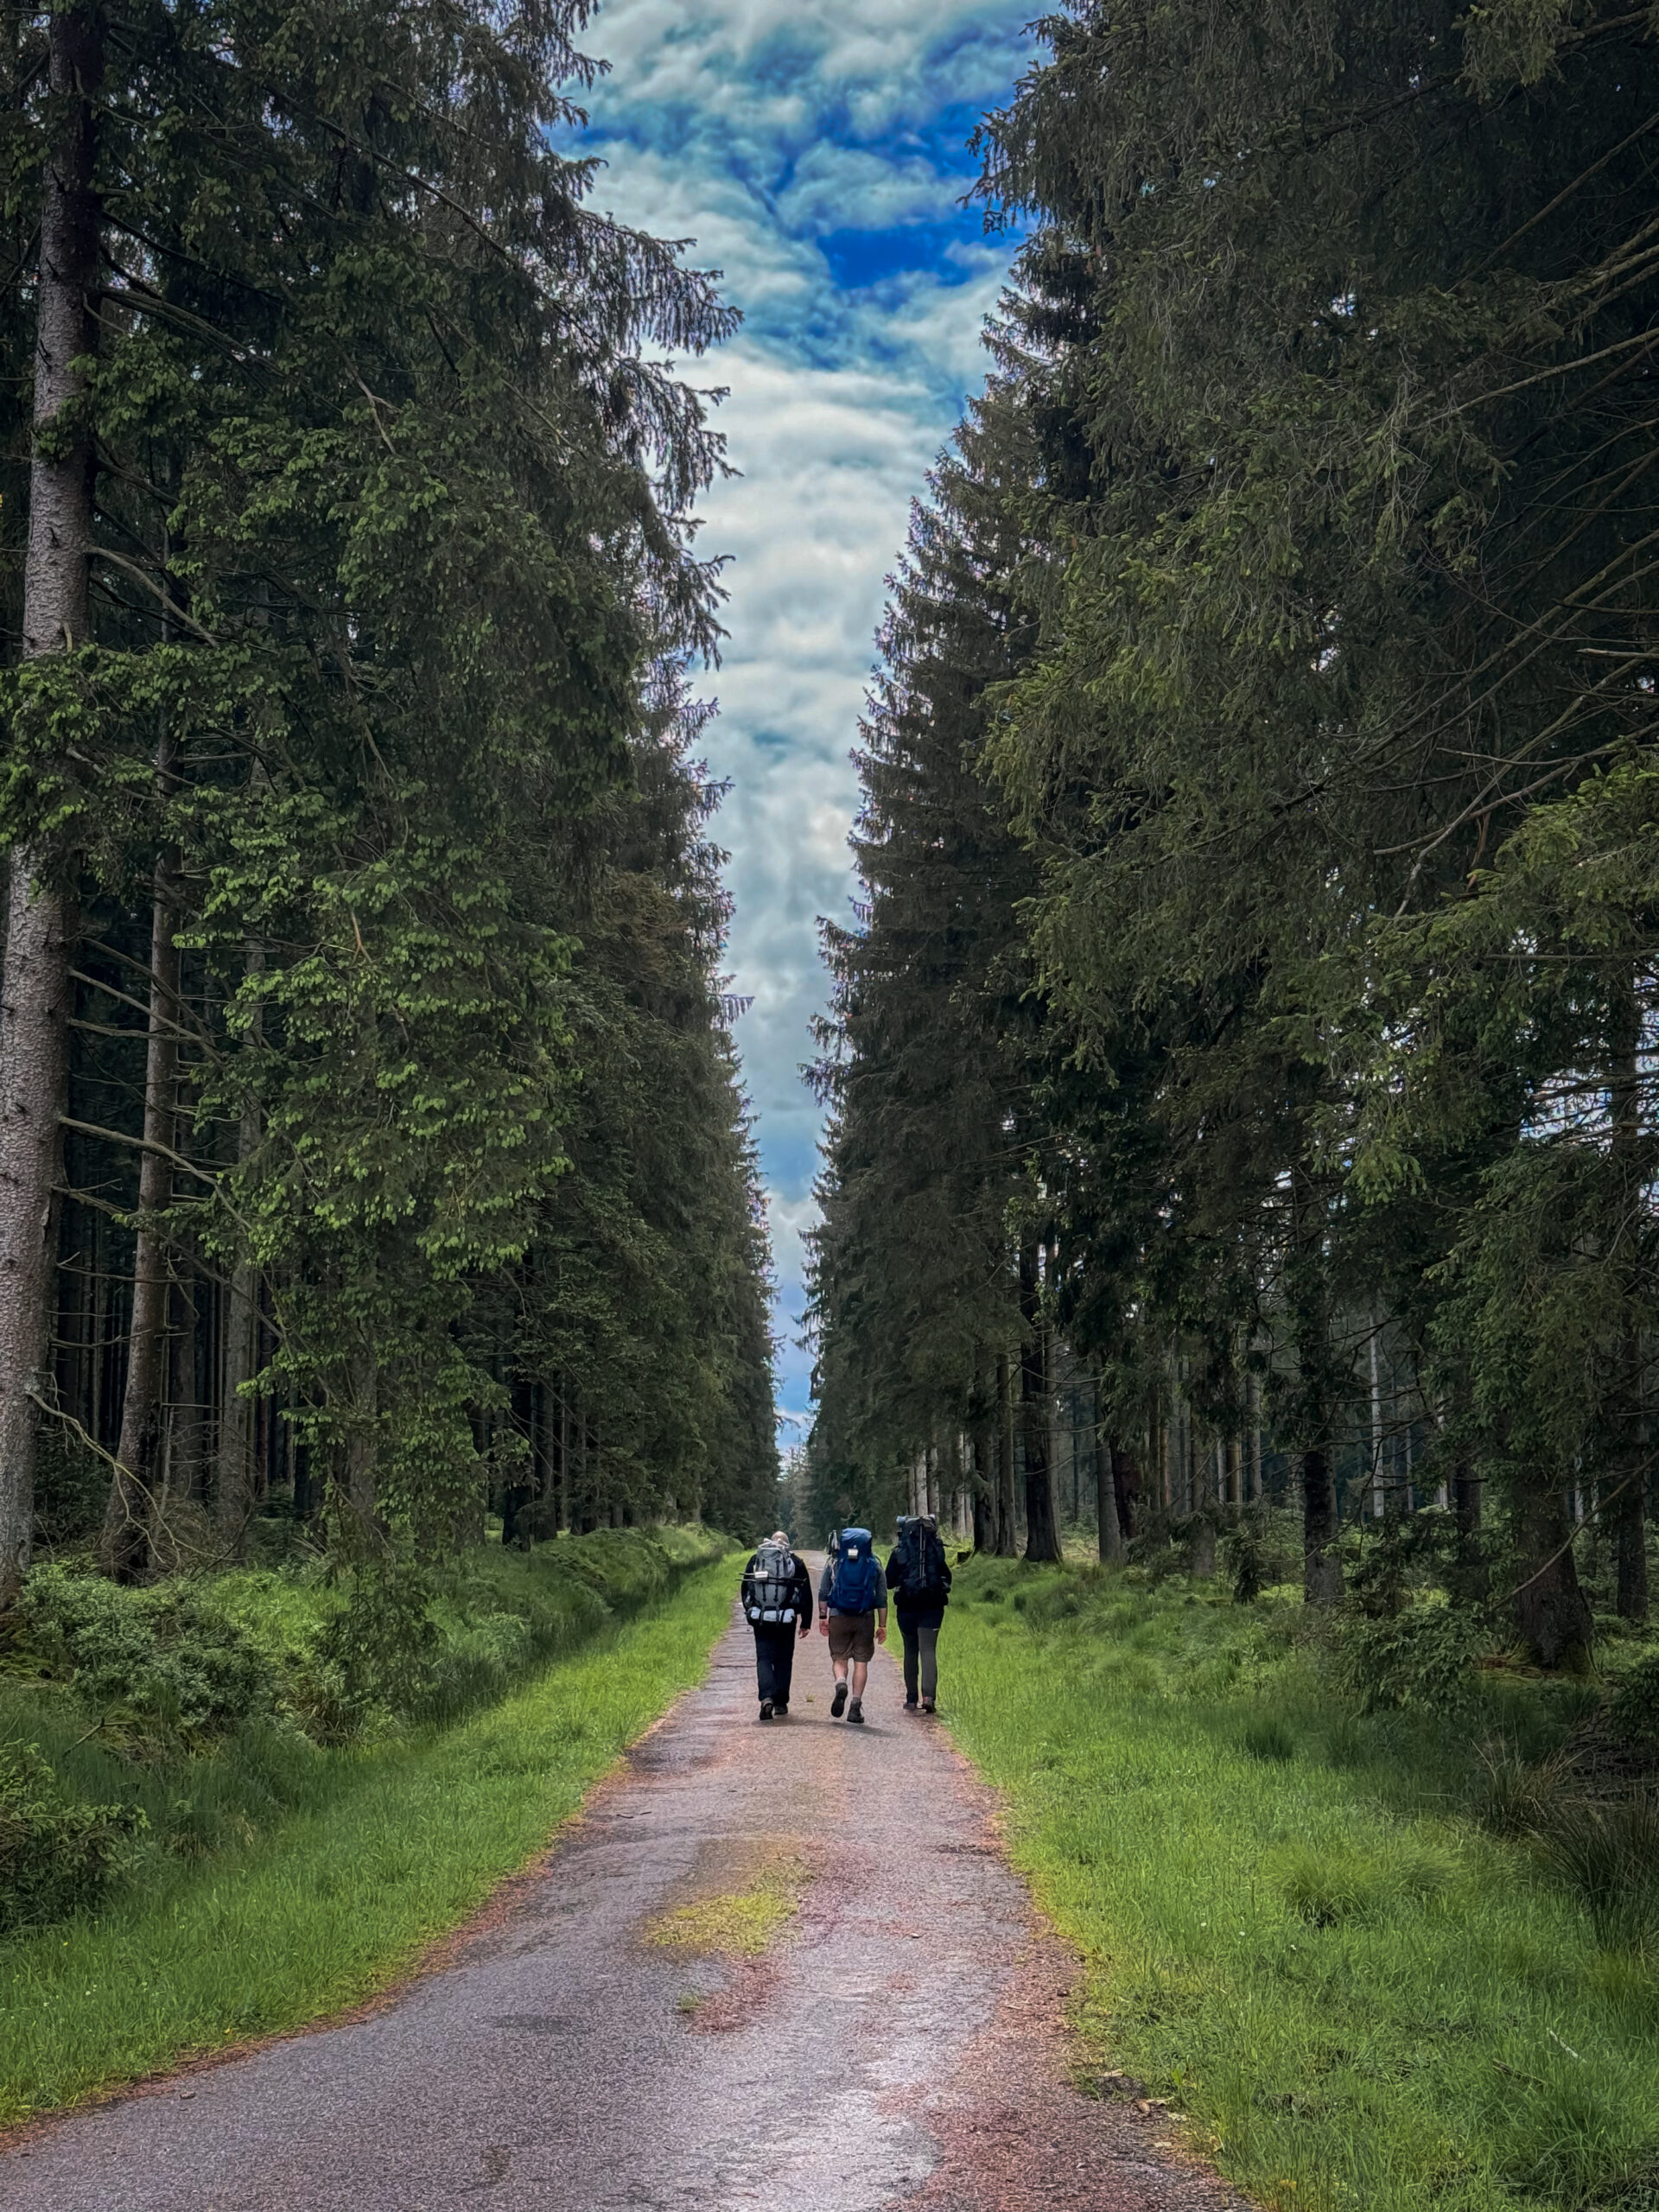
x=813, y=150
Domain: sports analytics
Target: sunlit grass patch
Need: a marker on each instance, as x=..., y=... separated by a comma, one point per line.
x=740, y=1923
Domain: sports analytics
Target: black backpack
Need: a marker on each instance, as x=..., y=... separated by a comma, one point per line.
x=921, y=1576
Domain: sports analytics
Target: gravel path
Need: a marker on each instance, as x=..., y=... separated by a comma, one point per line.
x=899, y=2045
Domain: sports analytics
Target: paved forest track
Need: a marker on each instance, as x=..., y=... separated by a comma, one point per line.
x=898, y=2045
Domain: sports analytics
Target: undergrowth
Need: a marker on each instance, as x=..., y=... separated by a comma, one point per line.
x=1369, y=1966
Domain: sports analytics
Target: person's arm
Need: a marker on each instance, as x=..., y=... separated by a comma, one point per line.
x=803, y=1595
x=881, y=1604
x=823, y=1596
x=745, y=1590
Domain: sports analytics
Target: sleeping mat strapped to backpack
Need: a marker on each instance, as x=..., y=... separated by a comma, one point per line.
x=772, y=1586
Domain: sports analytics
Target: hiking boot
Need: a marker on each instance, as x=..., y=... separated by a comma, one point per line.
x=910, y=1705
x=780, y=1711
x=766, y=1708
x=855, y=1710
x=927, y=1705
x=837, y=1704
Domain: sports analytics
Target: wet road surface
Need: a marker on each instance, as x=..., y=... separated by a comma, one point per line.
x=900, y=2044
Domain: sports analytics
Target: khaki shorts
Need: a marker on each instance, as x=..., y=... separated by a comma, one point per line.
x=852, y=1636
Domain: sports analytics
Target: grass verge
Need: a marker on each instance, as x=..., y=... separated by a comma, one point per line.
x=1291, y=1926
x=380, y=1851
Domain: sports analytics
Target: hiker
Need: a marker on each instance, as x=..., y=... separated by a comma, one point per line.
x=920, y=1579
x=777, y=1597
x=853, y=1614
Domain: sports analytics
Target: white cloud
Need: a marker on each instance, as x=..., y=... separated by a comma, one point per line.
x=771, y=66
x=848, y=187
x=756, y=128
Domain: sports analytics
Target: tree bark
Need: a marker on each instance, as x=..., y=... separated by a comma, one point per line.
x=1126, y=1488
x=1108, y=1528
x=124, y=1550
x=1008, y=1534
x=365, y=1533
x=41, y=922
x=1202, y=1557
x=1630, y=1467
x=1306, y=1283
x=236, y=1483
x=1321, y=1565
x=519, y=1496
x=1551, y=1612
x=1042, y=1536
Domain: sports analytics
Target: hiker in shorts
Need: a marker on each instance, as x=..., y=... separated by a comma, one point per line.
x=777, y=1599
x=853, y=1614
x=920, y=1579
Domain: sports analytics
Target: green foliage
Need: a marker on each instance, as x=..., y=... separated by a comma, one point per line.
x=395, y=595
x=1633, y=1706
x=1288, y=597
x=157, y=1663
x=381, y=1644
x=1422, y=1657
x=56, y=1856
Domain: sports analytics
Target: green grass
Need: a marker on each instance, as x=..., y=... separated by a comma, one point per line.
x=363, y=1857
x=1291, y=1925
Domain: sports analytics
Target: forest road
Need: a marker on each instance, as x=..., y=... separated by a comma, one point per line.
x=898, y=2045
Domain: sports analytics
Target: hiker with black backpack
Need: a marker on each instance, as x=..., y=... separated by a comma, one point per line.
x=919, y=1576
x=777, y=1599
x=853, y=1614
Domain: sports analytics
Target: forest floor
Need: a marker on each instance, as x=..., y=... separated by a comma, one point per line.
x=766, y=1966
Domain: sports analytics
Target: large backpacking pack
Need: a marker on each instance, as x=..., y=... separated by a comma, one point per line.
x=852, y=1585
x=920, y=1576
x=772, y=1586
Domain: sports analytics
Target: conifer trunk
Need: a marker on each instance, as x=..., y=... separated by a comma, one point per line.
x=1631, y=1452
x=1008, y=1533
x=1042, y=1537
x=1551, y=1612
x=236, y=1485
x=1110, y=1528
x=41, y=922
x=125, y=1548
x=1203, y=1561
x=1321, y=1561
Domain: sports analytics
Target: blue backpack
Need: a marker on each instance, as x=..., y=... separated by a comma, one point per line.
x=852, y=1588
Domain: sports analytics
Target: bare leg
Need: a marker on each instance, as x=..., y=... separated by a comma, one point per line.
x=861, y=1676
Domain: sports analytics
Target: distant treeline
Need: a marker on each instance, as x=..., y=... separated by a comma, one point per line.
x=1248, y=1030
x=372, y=1146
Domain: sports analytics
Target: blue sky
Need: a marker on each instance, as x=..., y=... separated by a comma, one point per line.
x=814, y=150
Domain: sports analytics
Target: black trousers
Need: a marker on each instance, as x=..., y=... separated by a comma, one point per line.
x=921, y=1639
x=775, y=1659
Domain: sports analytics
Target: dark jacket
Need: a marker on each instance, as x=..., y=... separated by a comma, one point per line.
x=800, y=1594
x=930, y=1609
